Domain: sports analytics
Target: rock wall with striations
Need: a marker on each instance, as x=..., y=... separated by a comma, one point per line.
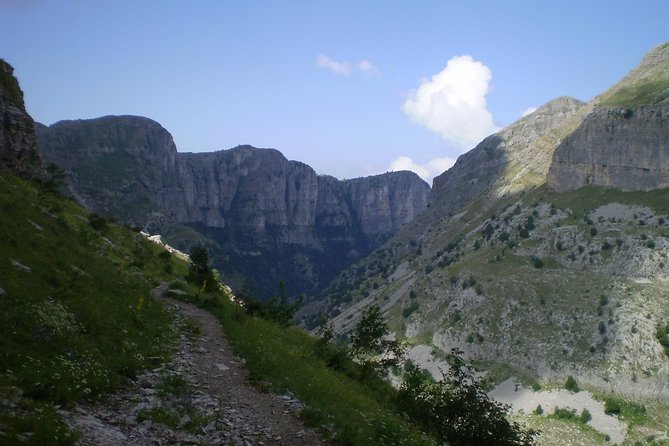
x=509, y=160
x=622, y=148
x=18, y=146
x=271, y=219
x=623, y=142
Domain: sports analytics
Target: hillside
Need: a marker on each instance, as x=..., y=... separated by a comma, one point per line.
x=76, y=310
x=254, y=209
x=532, y=267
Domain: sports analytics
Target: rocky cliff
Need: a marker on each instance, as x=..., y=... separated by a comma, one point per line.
x=624, y=141
x=512, y=159
x=18, y=146
x=266, y=218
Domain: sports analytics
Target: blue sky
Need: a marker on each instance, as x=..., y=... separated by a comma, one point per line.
x=351, y=88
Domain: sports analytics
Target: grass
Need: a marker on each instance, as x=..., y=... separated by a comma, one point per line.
x=647, y=92
x=77, y=315
x=282, y=359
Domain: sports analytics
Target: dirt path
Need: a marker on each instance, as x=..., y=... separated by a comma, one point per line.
x=234, y=412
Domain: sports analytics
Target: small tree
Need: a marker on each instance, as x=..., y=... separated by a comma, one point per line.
x=199, y=272
x=369, y=343
x=458, y=410
x=280, y=309
x=571, y=384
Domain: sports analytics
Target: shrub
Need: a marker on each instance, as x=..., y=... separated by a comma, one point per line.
x=97, y=222
x=537, y=262
x=593, y=231
x=408, y=311
x=539, y=410
x=602, y=327
x=585, y=416
x=612, y=407
x=571, y=385
x=564, y=413
x=458, y=410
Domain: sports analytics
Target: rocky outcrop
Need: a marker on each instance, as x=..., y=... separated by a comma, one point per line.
x=622, y=148
x=512, y=159
x=271, y=219
x=116, y=165
x=624, y=142
x=18, y=146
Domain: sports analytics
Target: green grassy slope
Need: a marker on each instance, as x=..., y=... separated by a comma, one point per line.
x=76, y=313
x=78, y=319
x=647, y=84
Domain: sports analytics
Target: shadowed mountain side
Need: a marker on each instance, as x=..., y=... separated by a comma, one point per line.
x=264, y=218
x=18, y=146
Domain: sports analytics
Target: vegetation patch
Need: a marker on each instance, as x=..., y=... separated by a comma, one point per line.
x=76, y=308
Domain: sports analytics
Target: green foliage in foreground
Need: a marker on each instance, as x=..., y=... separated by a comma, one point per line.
x=75, y=309
x=282, y=358
x=349, y=402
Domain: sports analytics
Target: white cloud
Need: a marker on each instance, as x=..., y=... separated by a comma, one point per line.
x=346, y=68
x=426, y=171
x=367, y=68
x=341, y=68
x=528, y=111
x=453, y=102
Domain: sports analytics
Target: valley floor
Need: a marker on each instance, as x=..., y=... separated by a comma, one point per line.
x=201, y=397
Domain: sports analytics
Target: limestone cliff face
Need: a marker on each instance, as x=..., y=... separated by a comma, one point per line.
x=624, y=142
x=115, y=165
x=384, y=203
x=18, y=146
x=512, y=159
x=271, y=219
x=623, y=148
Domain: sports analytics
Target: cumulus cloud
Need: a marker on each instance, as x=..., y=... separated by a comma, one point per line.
x=453, y=102
x=426, y=171
x=528, y=111
x=346, y=68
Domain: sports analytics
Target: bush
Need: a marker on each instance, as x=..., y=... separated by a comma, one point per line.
x=539, y=410
x=602, y=327
x=408, y=311
x=565, y=414
x=571, y=385
x=458, y=410
x=585, y=416
x=537, y=262
x=612, y=407
x=98, y=222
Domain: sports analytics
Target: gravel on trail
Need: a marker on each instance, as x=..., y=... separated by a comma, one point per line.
x=223, y=407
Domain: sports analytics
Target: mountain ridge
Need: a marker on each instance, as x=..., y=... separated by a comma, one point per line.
x=255, y=209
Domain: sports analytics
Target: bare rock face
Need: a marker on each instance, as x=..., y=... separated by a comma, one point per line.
x=624, y=142
x=272, y=219
x=18, y=146
x=510, y=160
x=115, y=165
x=623, y=148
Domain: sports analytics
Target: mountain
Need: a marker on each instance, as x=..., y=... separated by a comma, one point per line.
x=264, y=218
x=626, y=135
x=18, y=146
x=543, y=253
